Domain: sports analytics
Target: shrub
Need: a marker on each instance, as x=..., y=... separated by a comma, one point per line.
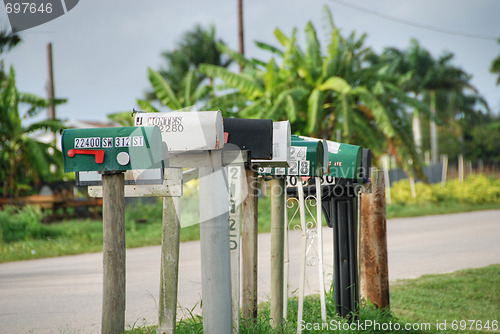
x=401, y=193
x=476, y=189
x=22, y=224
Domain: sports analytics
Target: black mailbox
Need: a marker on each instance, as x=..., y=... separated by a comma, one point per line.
x=366, y=163
x=253, y=135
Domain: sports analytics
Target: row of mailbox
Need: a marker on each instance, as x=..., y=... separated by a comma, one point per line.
x=157, y=136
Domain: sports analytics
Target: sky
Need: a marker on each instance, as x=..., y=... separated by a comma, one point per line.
x=102, y=49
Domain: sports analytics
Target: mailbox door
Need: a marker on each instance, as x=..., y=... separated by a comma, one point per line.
x=306, y=160
x=253, y=135
x=326, y=157
x=187, y=131
x=314, y=154
x=281, y=146
x=111, y=149
x=345, y=160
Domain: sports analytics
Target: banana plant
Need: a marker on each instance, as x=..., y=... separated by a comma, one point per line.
x=321, y=92
x=194, y=92
x=23, y=160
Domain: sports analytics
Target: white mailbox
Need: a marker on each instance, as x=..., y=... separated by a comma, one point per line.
x=281, y=146
x=326, y=158
x=187, y=131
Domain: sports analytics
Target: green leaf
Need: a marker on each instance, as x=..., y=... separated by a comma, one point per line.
x=238, y=57
x=146, y=106
x=285, y=41
x=188, y=87
x=268, y=47
x=313, y=106
x=163, y=90
x=291, y=110
x=53, y=125
x=313, y=59
x=337, y=84
x=252, y=109
x=270, y=76
x=124, y=118
x=246, y=84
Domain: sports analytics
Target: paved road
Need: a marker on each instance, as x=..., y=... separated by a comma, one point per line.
x=63, y=295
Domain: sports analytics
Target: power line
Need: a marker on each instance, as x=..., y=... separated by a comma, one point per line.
x=415, y=24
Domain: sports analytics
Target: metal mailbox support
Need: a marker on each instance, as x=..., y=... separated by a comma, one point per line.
x=281, y=159
x=307, y=160
x=196, y=139
x=255, y=136
x=112, y=151
x=349, y=168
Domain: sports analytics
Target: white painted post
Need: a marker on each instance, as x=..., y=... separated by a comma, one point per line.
x=286, y=258
x=412, y=187
x=169, y=272
x=444, y=172
x=319, y=226
x=461, y=168
x=214, y=243
x=302, y=278
x=235, y=180
x=385, y=163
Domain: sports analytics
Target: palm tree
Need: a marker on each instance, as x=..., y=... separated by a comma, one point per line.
x=495, y=67
x=194, y=92
x=23, y=160
x=195, y=47
x=7, y=42
x=322, y=93
x=425, y=78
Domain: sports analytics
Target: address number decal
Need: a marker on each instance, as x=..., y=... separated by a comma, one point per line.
x=94, y=142
x=109, y=142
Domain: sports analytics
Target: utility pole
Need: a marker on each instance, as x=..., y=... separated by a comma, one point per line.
x=241, y=39
x=51, y=112
x=50, y=85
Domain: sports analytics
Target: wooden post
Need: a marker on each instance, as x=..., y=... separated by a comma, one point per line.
x=249, y=247
x=374, y=267
x=214, y=244
x=113, y=215
x=169, y=274
x=234, y=239
x=277, y=185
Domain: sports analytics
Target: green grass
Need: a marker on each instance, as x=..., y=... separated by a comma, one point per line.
x=472, y=294
x=402, y=211
x=26, y=238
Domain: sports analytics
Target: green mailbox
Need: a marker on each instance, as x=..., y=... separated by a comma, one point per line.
x=345, y=160
x=112, y=149
x=306, y=159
